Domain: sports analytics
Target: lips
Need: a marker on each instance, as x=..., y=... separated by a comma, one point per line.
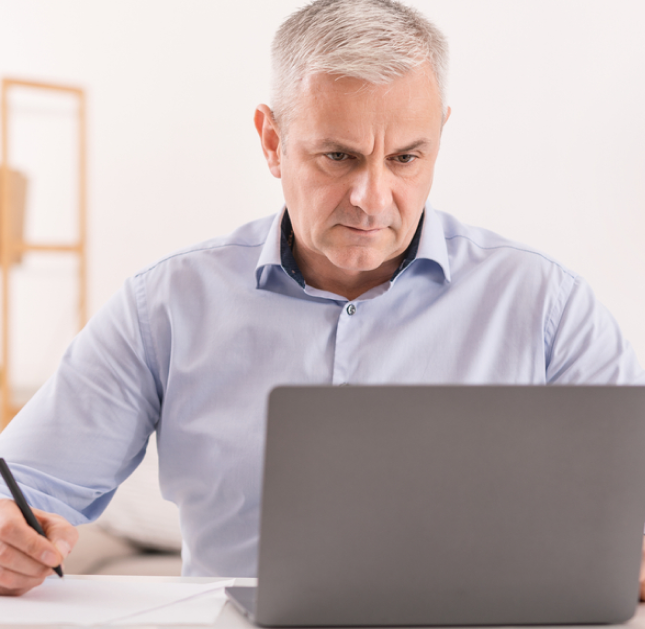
x=364, y=230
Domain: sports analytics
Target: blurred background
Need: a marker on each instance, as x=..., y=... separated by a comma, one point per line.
x=546, y=145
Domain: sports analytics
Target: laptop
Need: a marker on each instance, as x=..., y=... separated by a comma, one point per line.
x=450, y=505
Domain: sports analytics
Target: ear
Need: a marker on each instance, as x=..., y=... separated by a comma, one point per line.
x=269, y=137
x=448, y=112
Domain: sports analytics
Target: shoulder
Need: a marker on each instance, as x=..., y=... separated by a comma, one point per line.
x=240, y=247
x=469, y=246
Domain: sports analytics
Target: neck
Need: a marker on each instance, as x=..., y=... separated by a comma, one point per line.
x=350, y=284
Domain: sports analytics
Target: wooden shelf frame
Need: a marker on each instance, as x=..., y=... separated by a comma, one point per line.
x=9, y=245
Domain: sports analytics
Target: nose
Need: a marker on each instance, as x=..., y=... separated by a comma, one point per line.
x=370, y=189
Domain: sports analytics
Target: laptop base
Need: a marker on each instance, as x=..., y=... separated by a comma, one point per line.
x=243, y=598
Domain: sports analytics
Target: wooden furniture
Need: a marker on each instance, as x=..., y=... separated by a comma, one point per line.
x=13, y=245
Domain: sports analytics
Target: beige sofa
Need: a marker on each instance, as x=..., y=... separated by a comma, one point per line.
x=100, y=552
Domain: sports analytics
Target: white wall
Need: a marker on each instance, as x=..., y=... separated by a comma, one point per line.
x=546, y=142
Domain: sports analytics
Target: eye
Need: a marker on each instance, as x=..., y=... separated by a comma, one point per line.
x=337, y=156
x=405, y=159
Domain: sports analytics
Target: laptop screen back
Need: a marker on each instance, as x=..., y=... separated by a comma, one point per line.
x=452, y=505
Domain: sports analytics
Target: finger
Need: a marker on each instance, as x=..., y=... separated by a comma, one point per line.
x=14, y=584
x=16, y=561
x=58, y=531
x=15, y=532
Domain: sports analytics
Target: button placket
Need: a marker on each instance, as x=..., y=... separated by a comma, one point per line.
x=347, y=348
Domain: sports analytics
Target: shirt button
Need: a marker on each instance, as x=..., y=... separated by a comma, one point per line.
x=351, y=309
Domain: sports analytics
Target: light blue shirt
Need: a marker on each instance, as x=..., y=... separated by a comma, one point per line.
x=192, y=345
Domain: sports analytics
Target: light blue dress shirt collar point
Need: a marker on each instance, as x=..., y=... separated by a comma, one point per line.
x=270, y=254
x=432, y=245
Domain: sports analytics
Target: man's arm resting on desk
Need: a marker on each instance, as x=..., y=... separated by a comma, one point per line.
x=26, y=557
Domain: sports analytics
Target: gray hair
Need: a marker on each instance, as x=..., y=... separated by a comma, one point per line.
x=373, y=40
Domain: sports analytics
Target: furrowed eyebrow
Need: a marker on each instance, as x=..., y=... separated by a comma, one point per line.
x=331, y=145
x=422, y=143
x=334, y=146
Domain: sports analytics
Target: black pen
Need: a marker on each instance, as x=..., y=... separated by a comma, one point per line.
x=19, y=497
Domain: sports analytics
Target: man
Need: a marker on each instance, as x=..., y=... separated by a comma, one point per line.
x=357, y=280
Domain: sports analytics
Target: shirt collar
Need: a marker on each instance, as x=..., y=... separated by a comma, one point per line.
x=432, y=243
x=428, y=243
x=289, y=263
x=411, y=251
x=270, y=254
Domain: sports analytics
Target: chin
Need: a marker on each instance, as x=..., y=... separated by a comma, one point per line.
x=357, y=262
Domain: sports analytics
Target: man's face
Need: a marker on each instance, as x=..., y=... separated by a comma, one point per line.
x=357, y=169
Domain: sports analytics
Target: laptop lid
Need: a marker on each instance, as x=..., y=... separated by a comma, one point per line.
x=451, y=505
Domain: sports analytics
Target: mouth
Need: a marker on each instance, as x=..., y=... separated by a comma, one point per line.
x=364, y=230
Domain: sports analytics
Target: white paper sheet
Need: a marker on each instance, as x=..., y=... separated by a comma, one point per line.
x=89, y=602
x=200, y=609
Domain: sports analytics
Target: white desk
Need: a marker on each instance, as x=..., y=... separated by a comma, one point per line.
x=229, y=618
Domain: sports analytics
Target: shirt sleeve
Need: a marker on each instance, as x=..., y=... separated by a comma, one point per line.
x=87, y=428
x=584, y=344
